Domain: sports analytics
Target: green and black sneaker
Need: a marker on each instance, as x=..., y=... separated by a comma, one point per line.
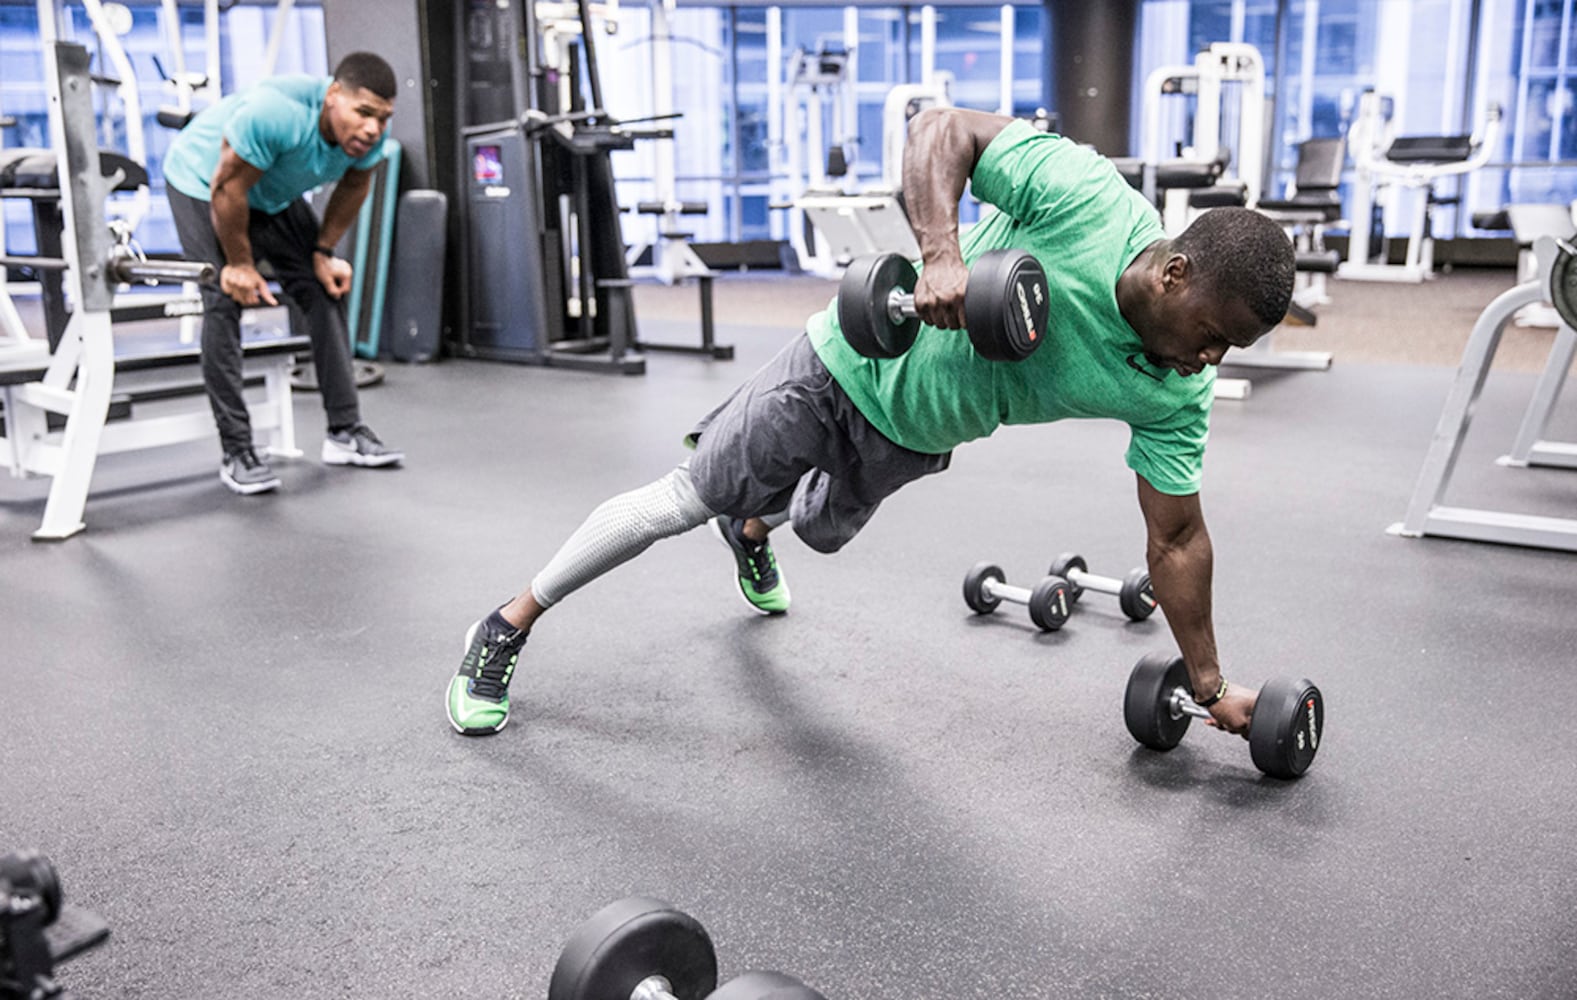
x=479, y=693
x=761, y=583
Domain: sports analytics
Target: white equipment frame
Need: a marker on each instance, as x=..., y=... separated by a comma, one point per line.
x=1426, y=514
x=1377, y=176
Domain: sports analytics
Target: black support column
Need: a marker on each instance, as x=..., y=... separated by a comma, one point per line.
x=1091, y=55
x=417, y=38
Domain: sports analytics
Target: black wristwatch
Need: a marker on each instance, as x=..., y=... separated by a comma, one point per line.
x=325, y=251
x=1221, y=692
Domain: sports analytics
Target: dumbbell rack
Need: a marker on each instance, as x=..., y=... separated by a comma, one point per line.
x=1555, y=282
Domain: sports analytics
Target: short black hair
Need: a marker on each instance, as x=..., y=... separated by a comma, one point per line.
x=1241, y=254
x=367, y=71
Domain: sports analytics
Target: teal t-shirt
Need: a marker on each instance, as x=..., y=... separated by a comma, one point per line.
x=274, y=127
x=1069, y=207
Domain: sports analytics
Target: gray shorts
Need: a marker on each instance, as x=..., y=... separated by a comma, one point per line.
x=790, y=438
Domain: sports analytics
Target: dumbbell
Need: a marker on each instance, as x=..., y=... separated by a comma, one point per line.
x=1133, y=591
x=639, y=948
x=985, y=587
x=1005, y=305
x=1283, y=735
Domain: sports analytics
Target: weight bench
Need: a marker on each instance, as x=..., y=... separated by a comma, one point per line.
x=34, y=413
x=674, y=261
x=1314, y=203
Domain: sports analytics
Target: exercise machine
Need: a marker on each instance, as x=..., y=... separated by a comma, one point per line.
x=673, y=260
x=188, y=86
x=1218, y=161
x=1313, y=204
x=816, y=91
x=848, y=226
x=1227, y=126
x=545, y=280
x=1387, y=164
x=1555, y=282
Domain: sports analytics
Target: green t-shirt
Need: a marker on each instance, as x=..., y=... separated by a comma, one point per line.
x=274, y=127
x=1069, y=207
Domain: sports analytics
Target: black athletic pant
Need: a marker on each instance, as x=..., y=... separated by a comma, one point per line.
x=285, y=241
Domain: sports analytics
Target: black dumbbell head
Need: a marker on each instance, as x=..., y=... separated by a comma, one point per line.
x=975, y=594
x=1061, y=565
x=1147, y=704
x=765, y=986
x=863, y=293
x=1137, y=599
x=32, y=874
x=1006, y=305
x=1288, y=724
x=1049, y=604
x=629, y=941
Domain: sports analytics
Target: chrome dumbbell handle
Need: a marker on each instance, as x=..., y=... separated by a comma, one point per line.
x=1183, y=703
x=652, y=988
x=1095, y=582
x=1005, y=591
x=900, y=306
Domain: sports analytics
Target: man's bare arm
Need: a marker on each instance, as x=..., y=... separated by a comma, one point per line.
x=231, y=215
x=343, y=205
x=943, y=147
x=1182, y=563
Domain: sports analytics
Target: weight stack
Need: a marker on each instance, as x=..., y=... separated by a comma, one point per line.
x=414, y=319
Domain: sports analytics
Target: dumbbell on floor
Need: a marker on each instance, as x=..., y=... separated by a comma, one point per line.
x=985, y=587
x=1283, y=735
x=1005, y=305
x=1133, y=591
x=643, y=949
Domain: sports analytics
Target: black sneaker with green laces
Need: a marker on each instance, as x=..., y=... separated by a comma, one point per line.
x=478, y=699
x=761, y=583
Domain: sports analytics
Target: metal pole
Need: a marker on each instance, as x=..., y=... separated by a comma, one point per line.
x=276, y=37
x=1005, y=71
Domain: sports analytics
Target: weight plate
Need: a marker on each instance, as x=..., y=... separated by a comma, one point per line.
x=765, y=986
x=1060, y=567
x=975, y=594
x=1136, y=598
x=1006, y=305
x=863, y=293
x=629, y=941
x=1050, y=604
x=1288, y=724
x=1563, y=286
x=1147, y=703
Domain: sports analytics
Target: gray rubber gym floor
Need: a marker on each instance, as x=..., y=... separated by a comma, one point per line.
x=222, y=717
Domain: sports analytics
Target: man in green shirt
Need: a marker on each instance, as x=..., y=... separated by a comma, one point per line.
x=821, y=435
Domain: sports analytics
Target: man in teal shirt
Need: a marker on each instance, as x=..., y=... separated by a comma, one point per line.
x=821, y=435
x=235, y=178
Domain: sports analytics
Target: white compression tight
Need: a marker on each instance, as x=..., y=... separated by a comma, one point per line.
x=618, y=531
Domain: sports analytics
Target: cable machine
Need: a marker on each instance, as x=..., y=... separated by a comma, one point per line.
x=544, y=278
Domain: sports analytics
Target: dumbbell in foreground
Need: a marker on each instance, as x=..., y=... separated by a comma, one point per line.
x=643, y=949
x=1283, y=736
x=1005, y=305
x=1049, y=604
x=1133, y=591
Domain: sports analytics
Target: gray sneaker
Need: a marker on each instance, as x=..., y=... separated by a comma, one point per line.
x=359, y=446
x=245, y=473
